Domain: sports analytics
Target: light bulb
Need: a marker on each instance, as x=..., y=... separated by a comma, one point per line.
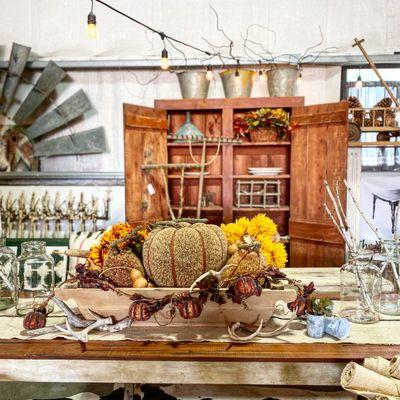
x=359, y=83
x=91, y=28
x=300, y=79
x=164, y=60
x=209, y=74
x=261, y=75
x=237, y=76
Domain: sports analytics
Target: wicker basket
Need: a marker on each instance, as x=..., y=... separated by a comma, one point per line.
x=264, y=135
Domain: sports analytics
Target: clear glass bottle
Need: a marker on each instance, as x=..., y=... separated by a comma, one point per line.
x=35, y=276
x=390, y=301
x=360, y=289
x=8, y=269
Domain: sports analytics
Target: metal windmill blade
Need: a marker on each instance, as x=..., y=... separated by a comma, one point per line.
x=25, y=140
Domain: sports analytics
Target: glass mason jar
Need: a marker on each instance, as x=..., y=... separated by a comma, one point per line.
x=389, y=265
x=35, y=277
x=8, y=269
x=360, y=289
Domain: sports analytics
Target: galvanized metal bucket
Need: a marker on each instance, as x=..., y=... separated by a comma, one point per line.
x=237, y=86
x=193, y=84
x=282, y=81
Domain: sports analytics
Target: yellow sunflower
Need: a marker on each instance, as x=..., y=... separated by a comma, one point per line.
x=233, y=232
x=243, y=222
x=261, y=224
x=95, y=258
x=278, y=255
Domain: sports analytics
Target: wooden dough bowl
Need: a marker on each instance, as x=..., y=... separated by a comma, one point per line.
x=108, y=303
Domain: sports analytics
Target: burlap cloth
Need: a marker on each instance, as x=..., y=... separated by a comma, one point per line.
x=383, y=332
x=375, y=379
x=358, y=379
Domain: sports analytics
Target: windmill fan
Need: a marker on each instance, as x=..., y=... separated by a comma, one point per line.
x=22, y=141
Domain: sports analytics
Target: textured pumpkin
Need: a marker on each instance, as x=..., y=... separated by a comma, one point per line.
x=35, y=319
x=118, y=266
x=245, y=262
x=176, y=256
x=140, y=311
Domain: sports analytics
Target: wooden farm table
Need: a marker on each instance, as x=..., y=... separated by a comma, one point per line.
x=310, y=364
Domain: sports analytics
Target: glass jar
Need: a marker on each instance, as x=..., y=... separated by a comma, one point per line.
x=360, y=289
x=390, y=300
x=35, y=277
x=8, y=269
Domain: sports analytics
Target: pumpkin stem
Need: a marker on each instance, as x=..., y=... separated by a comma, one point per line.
x=175, y=222
x=130, y=235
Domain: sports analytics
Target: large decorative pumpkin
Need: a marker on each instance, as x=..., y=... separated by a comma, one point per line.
x=174, y=256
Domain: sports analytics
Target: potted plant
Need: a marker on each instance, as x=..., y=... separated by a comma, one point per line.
x=263, y=125
x=317, y=310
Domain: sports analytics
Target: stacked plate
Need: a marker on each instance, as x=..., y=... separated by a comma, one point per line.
x=267, y=171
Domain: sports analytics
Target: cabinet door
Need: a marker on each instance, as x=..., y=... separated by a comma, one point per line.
x=318, y=152
x=145, y=140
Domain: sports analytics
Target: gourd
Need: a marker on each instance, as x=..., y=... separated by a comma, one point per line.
x=248, y=260
x=176, y=253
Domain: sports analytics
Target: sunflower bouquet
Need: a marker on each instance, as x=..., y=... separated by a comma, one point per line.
x=261, y=229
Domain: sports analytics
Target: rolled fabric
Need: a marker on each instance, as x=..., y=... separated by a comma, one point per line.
x=358, y=379
x=394, y=369
x=378, y=364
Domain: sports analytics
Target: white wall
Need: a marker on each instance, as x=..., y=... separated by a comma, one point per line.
x=56, y=29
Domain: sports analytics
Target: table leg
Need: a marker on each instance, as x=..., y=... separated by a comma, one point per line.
x=373, y=206
x=393, y=206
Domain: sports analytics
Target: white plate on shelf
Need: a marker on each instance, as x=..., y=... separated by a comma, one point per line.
x=265, y=171
x=195, y=173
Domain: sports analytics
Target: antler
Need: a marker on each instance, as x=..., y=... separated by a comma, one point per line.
x=215, y=274
x=82, y=336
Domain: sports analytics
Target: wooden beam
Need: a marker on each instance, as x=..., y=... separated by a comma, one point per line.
x=192, y=351
x=16, y=65
x=91, y=141
x=358, y=43
x=177, y=372
x=72, y=108
x=51, y=76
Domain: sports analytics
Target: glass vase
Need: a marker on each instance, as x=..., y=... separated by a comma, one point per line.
x=35, y=277
x=360, y=289
x=8, y=269
x=389, y=265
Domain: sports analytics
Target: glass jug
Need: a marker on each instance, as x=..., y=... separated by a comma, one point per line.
x=35, y=276
x=389, y=265
x=8, y=269
x=360, y=289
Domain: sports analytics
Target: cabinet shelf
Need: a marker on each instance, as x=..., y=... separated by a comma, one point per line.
x=268, y=144
x=266, y=177
x=211, y=177
x=374, y=144
x=261, y=209
x=194, y=208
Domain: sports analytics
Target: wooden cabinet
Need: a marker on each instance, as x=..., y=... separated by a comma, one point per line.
x=317, y=151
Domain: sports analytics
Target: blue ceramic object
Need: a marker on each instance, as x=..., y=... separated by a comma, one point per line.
x=337, y=327
x=315, y=326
